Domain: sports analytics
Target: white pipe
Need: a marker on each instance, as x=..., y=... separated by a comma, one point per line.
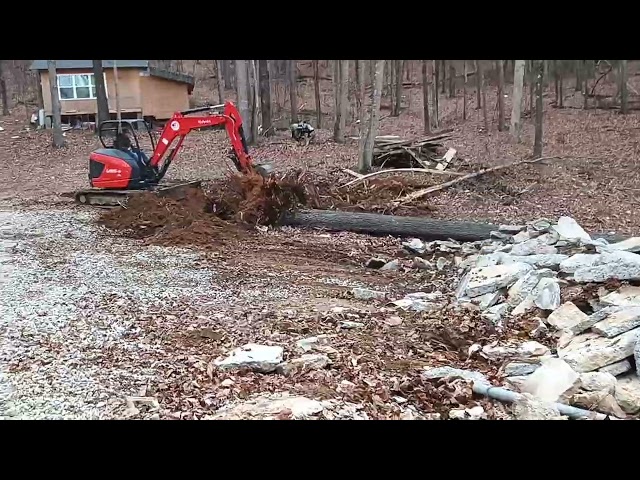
x=508, y=396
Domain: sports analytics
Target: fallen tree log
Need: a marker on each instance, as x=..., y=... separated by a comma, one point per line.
x=418, y=227
x=377, y=224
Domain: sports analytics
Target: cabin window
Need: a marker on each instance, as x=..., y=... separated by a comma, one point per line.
x=78, y=86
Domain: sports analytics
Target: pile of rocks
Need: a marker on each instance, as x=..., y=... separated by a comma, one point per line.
x=520, y=270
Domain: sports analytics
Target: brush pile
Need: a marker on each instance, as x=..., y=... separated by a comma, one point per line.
x=395, y=152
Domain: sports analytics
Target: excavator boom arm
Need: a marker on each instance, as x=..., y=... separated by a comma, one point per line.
x=180, y=125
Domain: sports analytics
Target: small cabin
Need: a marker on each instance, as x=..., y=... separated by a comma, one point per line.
x=144, y=91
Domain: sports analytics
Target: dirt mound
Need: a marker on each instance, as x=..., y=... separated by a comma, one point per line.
x=168, y=221
x=224, y=212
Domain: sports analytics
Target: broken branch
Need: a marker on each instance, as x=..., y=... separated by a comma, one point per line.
x=396, y=170
x=421, y=193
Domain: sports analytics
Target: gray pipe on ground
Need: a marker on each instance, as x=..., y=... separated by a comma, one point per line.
x=504, y=395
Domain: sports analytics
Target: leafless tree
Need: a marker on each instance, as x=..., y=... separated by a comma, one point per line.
x=3, y=89
x=397, y=100
x=243, y=98
x=478, y=85
x=293, y=89
x=101, y=94
x=436, y=77
x=220, y=80
x=435, y=107
x=265, y=96
x=532, y=84
x=500, y=68
x=367, y=140
x=56, y=109
x=537, y=144
x=578, y=68
x=452, y=80
x=316, y=88
x=516, y=108
x=425, y=96
x=344, y=94
x=624, y=94
x=464, y=90
x=360, y=95
x=255, y=98
x=483, y=90
x=341, y=78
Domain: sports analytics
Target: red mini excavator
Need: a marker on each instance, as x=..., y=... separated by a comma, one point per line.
x=121, y=168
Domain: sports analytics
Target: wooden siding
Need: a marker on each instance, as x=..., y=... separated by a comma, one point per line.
x=161, y=98
x=148, y=95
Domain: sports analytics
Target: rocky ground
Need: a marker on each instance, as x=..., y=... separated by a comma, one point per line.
x=95, y=325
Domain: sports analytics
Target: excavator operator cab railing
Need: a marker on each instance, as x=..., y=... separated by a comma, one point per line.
x=134, y=129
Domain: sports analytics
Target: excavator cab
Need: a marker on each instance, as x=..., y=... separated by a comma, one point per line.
x=138, y=134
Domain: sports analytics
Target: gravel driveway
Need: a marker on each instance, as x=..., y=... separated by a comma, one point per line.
x=67, y=303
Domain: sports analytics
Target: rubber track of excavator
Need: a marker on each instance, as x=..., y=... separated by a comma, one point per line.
x=119, y=198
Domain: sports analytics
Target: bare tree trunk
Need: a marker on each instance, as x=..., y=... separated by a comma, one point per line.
x=425, y=96
x=452, y=80
x=560, y=88
x=483, y=89
x=226, y=74
x=392, y=83
x=293, y=89
x=255, y=111
x=341, y=71
x=532, y=85
x=243, y=98
x=103, y=114
x=56, y=109
x=624, y=94
x=436, y=74
x=220, y=78
x=556, y=82
x=367, y=140
x=537, y=145
x=585, y=89
x=435, y=117
x=316, y=85
x=344, y=98
x=464, y=91
x=360, y=81
x=116, y=81
x=478, y=86
x=545, y=64
x=500, y=67
x=395, y=112
x=578, y=65
x=336, y=98
x=516, y=108
x=39, y=90
x=265, y=96
x=3, y=91
x=443, y=71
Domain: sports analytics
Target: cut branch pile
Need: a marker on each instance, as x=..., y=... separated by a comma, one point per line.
x=394, y=152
